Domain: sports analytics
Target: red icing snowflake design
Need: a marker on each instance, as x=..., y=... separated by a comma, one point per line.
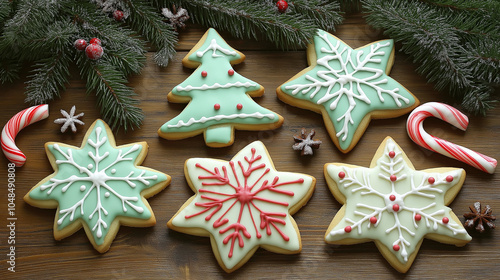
x=244, y=203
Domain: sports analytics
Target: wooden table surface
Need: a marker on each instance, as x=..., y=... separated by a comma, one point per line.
x=157, y=252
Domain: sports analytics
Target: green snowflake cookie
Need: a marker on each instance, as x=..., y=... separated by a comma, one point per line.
x=98, y=186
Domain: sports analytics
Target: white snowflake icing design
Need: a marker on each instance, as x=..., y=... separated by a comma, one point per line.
x=104, y=183
x=69, y=120
x=342, y=71
x=395, y=200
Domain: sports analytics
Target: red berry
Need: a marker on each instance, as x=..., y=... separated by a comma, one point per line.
x=217, y=106
x=418, y=217
x=393, y=178
x=95, y=41
x=80, y=44
x=446, y=220
x=449, y=178
x=230, y=72
x=373, y=220
x=341, y=174
x=395, y=247
x=118, y=15
x=395, y=207
x=94, y=51
x=348, y=229
x=431, y=180
x=392, y=197
x=204, y=73
x=392, y=154
x=282, y=6
x=239, y=106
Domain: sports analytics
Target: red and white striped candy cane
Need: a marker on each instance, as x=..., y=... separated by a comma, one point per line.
x=454, y=117
x=14, y=125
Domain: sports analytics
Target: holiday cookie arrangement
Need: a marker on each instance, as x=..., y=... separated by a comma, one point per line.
x=246, y=203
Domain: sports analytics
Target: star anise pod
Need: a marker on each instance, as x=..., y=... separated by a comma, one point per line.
x=479, y=219
x=305, y=143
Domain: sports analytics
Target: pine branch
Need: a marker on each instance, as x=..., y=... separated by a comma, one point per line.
x=115, y=99
x=451, y=44
x=147, y=21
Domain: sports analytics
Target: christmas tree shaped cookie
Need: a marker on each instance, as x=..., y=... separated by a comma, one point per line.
x=220, y=100
x=243, y=204
x=98, y=186
x=394, y=205
x=348, y=87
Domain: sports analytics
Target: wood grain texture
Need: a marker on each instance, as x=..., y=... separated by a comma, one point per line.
x=158, y=252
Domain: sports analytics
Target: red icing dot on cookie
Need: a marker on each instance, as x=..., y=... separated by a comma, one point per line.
x=395, y=247
x=373, y=220
x=445, y=220
x=431, y=180
x=341, y=174
x=393, y=178
x=230, y=72
x=392, y=154
x=418, y=217
x=395, y=207
x=217, y=106
x=392, y=197
x=204, y=73
x=449, y=178
x=347, y=229
x=239, y=106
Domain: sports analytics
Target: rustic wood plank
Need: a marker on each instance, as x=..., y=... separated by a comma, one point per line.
x=158, y=252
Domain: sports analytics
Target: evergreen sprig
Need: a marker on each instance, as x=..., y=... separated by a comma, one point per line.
x=454, y=42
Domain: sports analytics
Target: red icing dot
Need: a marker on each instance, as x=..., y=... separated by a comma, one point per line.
x=395, y=247
x=341, y=174
x=418, y=217
x=204, y=73
x=395, y=207
x=239, y=106
x=217, y=106
x=347, y=229
x=392, y=154
x=392, y=197
x=445, y=220
x=431, y=180
x=230, y=72
x=373, y=220
x=449, y=178
x=393, y=178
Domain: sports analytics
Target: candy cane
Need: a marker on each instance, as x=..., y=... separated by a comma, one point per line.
x=14, y=125
x=454, y=117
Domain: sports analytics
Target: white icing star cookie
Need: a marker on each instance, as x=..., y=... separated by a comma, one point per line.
x=394, y=205
x=242, y=205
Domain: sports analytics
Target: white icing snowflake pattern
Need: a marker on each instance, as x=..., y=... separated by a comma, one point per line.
x=95, y=182
x=69, y=120
x=394, y=199
x=342, y=71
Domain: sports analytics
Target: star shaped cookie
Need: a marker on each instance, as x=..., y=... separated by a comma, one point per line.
x=349, y=87
x=394, y=205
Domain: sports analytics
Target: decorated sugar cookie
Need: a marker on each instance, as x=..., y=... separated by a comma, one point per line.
x=394, y=205
x=349, y=87
x=98, y=186
x=219, y=99
x=242, y=205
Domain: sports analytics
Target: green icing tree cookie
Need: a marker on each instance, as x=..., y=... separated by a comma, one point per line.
x=219, y=99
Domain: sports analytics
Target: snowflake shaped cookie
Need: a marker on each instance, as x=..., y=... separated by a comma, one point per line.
x=69, y=120
x=243, y=204
x=348, y=87
x=98, y=186
x=394, y=205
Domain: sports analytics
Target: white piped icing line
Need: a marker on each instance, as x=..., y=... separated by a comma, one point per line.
x=191, y=121
x=391, y=196
x=215, y=47
x=215, y=86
